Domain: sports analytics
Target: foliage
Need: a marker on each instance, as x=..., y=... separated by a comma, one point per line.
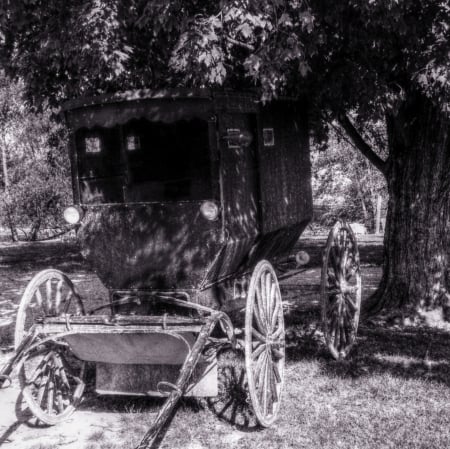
x=344, y=182
x=348, y=55
x=376, y=60
x=35, y=166
x=351, y=54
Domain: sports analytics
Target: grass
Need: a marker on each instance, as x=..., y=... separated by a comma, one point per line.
x=393, y=392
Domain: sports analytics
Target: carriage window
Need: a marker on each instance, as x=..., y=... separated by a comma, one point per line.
x=233, y=137
x=168, y=161
x=92, y=144
x=133, y=143
x=268, y=137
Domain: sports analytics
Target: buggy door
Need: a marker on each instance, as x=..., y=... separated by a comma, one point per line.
x=239, y=176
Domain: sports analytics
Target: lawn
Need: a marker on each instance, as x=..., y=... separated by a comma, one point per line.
x=393, y=391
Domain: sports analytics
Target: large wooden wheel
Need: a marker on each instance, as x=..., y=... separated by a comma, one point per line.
x=340, y=290
x=264, y=343
x=50, y=376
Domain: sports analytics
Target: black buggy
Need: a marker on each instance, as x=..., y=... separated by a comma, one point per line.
x=183, y=202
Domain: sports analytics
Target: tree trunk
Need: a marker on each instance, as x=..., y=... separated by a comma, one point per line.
x=378, y=214
x=361, y=198
x=12, y=227
x=5, y=169
x=416, y=243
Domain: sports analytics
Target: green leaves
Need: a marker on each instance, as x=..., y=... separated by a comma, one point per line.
x=352, y=54
x=35, y=173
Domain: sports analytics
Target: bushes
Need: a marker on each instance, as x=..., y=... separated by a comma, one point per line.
x=35, y=173
x=345, y=185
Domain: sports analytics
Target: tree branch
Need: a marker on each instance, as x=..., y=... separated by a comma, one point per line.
x=361, y=144
x=239, y=43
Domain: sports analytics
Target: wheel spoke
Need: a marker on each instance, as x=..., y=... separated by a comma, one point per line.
x=350, y=302
x=259, y=312
x=62, y=372
x=48, y=294
x=333, y=292
x=68, y=300
x=59, y=287
x=267, y=299
x=259, y=336
x=276, y=312
x=272, y=305
x=39, y=369
x=334, y=259
x=38, y=296
x=343, y=338
x=268, y=389
x=276, y=353
x=259, y=322
x=59, y=401
x=273, y=384
x=343, y=263
x=258, y=368
x=337, y=336
x=263, y=390
x=331, y=307
x=70, y=370
x=258, y=351
x=42, y=388
x=263, y=301
x=50, y=393
x=276, y=372
x=331, y=276
x=278, y=333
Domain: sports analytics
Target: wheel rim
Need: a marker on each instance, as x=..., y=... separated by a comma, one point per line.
x=340, y=290
x=52, y=379
x=264, y=343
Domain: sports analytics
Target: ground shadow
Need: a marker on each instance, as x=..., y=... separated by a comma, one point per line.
x=402, y=351
x=24, y=417
x=232, y=404
x=36, y=256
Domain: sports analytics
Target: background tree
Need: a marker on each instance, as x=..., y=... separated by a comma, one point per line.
x=345, y=183
x=34, y=166
x=383, y=59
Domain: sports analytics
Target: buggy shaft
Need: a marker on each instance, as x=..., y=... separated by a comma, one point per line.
x=25, y=344
x=182, y=382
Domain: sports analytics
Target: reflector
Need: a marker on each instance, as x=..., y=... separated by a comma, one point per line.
x=209, y=210
x=72, y=215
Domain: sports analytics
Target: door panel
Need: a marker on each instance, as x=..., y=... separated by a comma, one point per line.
x=239, y=174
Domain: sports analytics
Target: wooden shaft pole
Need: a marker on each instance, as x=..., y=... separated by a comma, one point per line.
x=181, y=383
x=25, y=344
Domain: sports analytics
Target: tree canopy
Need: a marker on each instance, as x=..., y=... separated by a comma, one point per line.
x=374, y=59
x=346, y=55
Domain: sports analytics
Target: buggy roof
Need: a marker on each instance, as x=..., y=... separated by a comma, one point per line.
x=166, y=106
x=148, y=94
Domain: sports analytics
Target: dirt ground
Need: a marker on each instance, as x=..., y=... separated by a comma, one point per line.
x=18, y=264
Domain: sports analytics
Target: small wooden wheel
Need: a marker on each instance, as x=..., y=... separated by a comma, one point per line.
x=50, y=376
x=340, y=290
x=49, y=293
x=264, y=343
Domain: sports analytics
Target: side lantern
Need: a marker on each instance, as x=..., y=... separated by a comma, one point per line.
x=72, y=215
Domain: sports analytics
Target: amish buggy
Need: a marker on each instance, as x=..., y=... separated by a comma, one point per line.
x=184, y=202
